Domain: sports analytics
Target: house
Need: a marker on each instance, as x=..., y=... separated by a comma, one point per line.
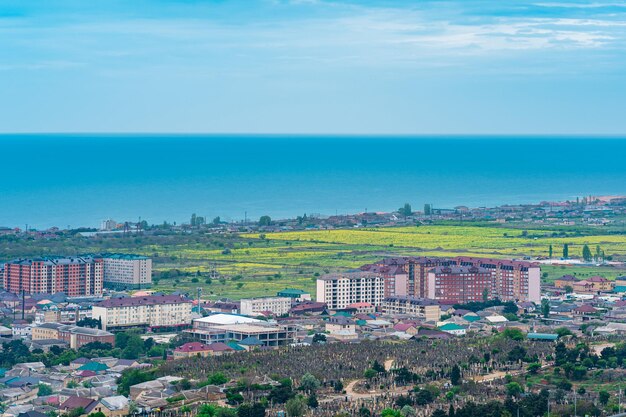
x=551, y=337
x=453, y=329
x=192, y=349
x=73, y=403
x=93, y=366
x=309, y=307
x=116, y=406
x=584, y=311
x=341, y=327
x=565, y=281
x=362, y=307
x=250, y=343
x=21, y=330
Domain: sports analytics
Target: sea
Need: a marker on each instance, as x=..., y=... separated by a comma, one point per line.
x=80, y=180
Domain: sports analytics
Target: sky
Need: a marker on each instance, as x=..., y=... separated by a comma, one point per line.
x=313, y=66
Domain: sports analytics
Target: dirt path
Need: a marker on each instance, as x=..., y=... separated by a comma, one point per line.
x=598, y=348
x=388, y=364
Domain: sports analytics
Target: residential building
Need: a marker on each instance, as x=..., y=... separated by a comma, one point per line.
x=593, y=285
x=342, y=328
x=127, y=272
x=74, y=276
x=156, y=312
x=459, y=284
x=565, y=281
x=108, y=225
x=75, y=336
x=257, y=306
x=511, y=280
x=424, y=308
x=453, y=329
x=200, y=349
x=296, y=295
x=341, y=289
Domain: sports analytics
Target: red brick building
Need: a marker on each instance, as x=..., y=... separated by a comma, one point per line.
x=78, y=276
x=459, y=284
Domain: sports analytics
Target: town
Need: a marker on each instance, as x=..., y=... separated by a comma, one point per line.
x=445, y=333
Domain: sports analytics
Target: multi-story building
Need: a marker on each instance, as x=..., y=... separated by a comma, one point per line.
x=222, y=328
x=460, y=284
x=257, y=306
x=406, y=276
x=127, y=272
x=77, y=276
x=511, y=280
x=75, y=336
x=424, y=308
x=341, y=289
x=154, y=312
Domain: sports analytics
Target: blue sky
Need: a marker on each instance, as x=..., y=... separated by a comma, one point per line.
x=396, y=67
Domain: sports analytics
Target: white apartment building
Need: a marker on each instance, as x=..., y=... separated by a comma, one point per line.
x=124, y=272
x=157, y=311
x=343, y=289
x=256, y=306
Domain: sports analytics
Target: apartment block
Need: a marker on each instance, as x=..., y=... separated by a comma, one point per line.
x=127, y=272
x=459, y=284
x=74, y=276
x=158, y=312
x=424, y=308
x=512, y=280
x=342, y=289
x=257, y=306
x=75, y=336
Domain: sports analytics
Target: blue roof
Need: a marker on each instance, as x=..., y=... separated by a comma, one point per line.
x=620, y=288
x=251, y=341
x=235, y=346
x=543, y=336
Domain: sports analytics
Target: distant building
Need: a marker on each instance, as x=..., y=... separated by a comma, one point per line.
x=127, y=272
x=108, y=225
x=74, y=276
x=342, y=289
x=200, y=349
x=223, y=328
x=257, y=306
x=424, y=308
x=155, y=312
x=296, y=295
x=593, y=285
x=459, y=284
x=75, y=336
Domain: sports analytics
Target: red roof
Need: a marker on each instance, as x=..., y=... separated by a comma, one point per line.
x=193, y=347
x=585, y=309
x=597, y=279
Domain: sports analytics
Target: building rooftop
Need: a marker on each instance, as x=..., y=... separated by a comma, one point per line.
x=141, y=301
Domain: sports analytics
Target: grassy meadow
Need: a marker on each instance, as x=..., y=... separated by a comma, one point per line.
x=262, y=264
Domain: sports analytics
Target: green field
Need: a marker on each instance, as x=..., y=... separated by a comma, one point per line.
x=262, y=264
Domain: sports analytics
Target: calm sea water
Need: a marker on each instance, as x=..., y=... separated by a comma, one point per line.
x=80, y=180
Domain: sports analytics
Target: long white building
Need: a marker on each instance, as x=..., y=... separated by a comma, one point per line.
x=156, y=312
x=256, y=306
x=343, y=289
x=127, y=272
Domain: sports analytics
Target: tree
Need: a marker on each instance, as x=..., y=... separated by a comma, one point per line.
x=565, y=251
x=319, y=338
x=408, y=411
x=390, y=412
x=44, y=390
x=534, y=367
x=217, y=221
x=550, y=251
x=265, y=221
x=485, y=295
x=312, y=401
x=89, y=322
x=604, y=396
x=439, y=413
x=296, y=407
x=513, y=389
x=251, y=410
x=405, y=210
x=309, y=383
x=369, y=373
x=455, y=375
x=587, y=253
x=568, y=289
x=545, y=308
